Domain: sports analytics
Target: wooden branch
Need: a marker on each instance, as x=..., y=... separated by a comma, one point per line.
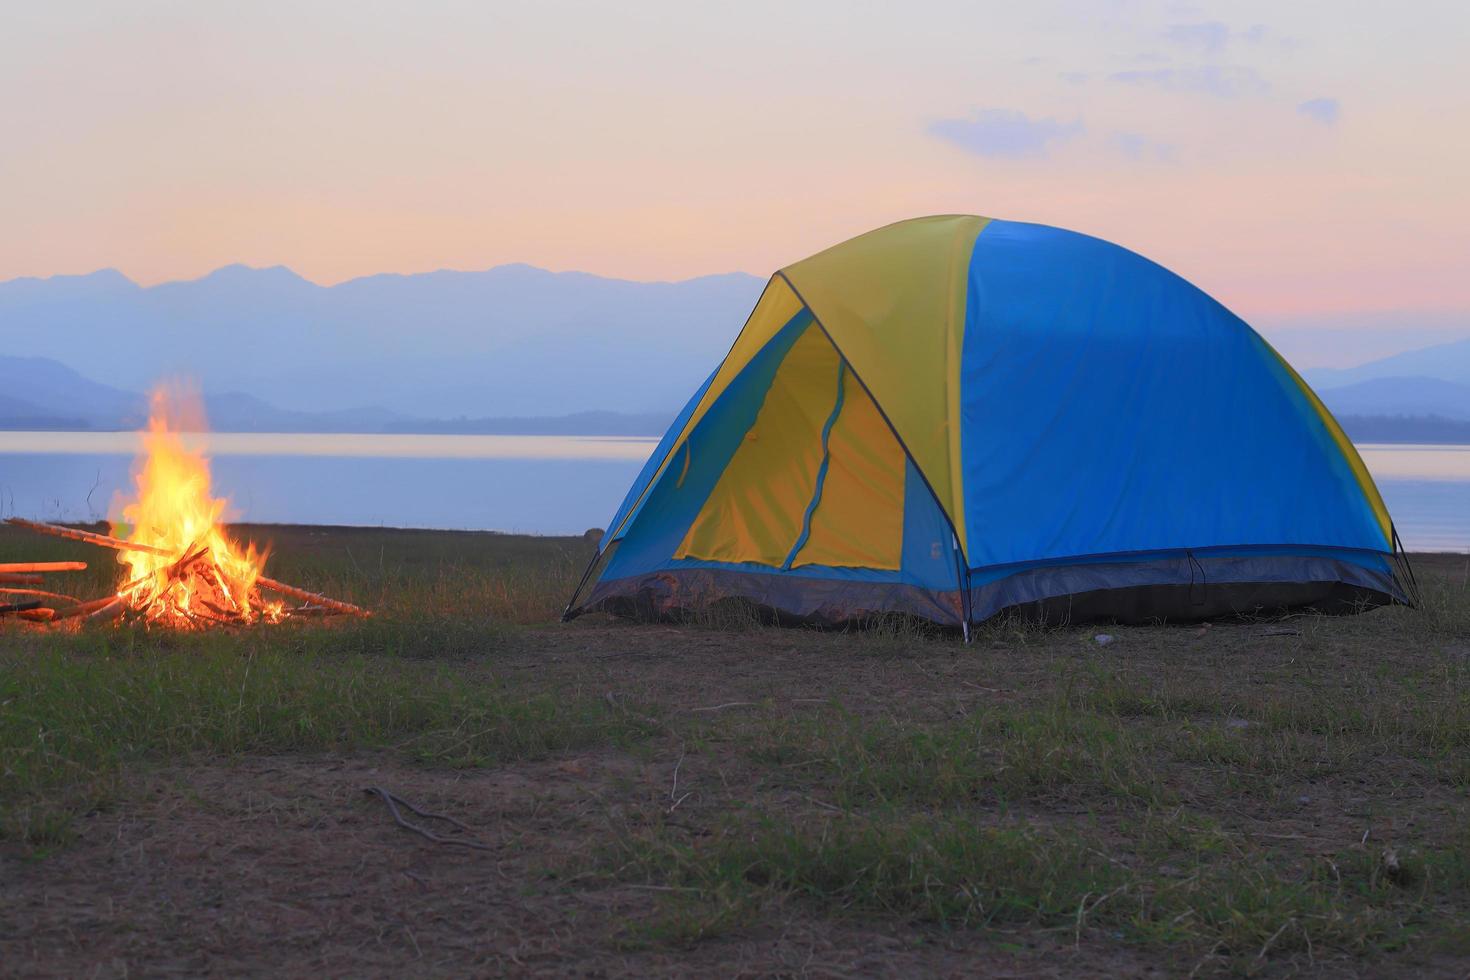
x=393, y=800
x=21, y=580
x=112, y=610
x=34, y=567
x=101, y=540
x=40, y=594
x=311, y=611
x=15, y=607
x=42, y=615
x=86, y=608
x=310, y=597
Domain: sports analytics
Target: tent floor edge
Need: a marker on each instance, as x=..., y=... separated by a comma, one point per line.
x=684, y=594
x=1171, y=590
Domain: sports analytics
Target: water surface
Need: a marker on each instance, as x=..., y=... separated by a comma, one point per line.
x=533, y=484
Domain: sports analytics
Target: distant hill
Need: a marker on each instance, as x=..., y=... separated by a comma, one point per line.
x=505, y=342
x=578, y=424
x=1445, y=362
x=18, y=414
x=1405, y=429
x=1425, y=397
x=1313, y=341
x=43, y=395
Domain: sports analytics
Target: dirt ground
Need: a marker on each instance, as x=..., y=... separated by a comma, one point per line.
x=284, y=864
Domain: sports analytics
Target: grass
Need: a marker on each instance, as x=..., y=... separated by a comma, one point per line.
x=1228, y=797
x=953, y=872
x=997, y=754
x=70, y=725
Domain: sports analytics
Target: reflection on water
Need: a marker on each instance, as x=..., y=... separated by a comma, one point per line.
x=537, y=484
x=1394, y=462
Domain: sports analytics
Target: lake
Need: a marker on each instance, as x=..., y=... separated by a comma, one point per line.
x=531, y=484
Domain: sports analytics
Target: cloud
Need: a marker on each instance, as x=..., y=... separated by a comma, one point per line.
x=1222, y=81
x=1005, y=133
x=1324, y=111
x=1210, y=35
x=1138, y=147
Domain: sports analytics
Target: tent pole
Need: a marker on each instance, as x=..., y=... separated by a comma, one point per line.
x=566, y=615
x=962, y=580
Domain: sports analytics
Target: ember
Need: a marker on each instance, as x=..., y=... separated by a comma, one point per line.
x=182, y=569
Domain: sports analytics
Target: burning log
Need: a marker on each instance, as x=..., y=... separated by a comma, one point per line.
x=19, y=607
x=35, y=567
x=184, y=569
x=175, y=569
x=85, y=608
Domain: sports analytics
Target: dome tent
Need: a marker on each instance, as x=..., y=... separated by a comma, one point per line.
x=954, y=416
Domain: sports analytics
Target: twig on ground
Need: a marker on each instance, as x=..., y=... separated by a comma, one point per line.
x=722, y=707
x=989, y=690
x=393, y=800
x=1274, y=936
x=674, y=789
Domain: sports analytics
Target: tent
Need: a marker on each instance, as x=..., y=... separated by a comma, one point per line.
x=953, y=416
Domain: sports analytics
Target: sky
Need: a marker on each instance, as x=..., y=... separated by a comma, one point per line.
x=1298, y=160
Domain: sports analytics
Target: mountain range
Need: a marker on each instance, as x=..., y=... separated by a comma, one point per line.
x=44, y=395
x=510, y=341
x=509, y=349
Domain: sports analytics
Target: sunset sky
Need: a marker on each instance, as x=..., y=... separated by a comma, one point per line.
x=1292, y=158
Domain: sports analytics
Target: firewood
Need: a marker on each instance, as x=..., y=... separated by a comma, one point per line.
x=18, y=607
x=310, y=597
x=22, y=580
x=112, y=610
x=101, y=540
x=32, y=567
x=41, y=594
x=312, y=611
x=42, y=615
x=85, y=608
x=117, y=544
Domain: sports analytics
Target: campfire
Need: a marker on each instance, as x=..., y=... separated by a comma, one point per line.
x=180, y=567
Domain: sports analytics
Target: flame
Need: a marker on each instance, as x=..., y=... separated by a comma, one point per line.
x=196, y=574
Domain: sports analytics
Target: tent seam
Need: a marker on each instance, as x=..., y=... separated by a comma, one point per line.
x=811, y=507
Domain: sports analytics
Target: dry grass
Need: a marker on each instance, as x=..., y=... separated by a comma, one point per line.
x=725, y=796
